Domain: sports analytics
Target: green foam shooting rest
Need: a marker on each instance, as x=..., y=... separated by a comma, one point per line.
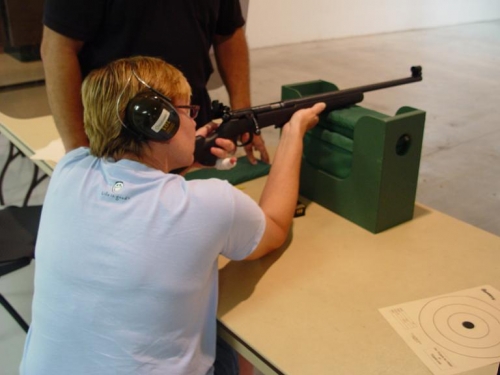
x=372, y=182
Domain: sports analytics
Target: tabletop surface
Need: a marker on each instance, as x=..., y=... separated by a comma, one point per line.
x=312, y=307
x=30, y=135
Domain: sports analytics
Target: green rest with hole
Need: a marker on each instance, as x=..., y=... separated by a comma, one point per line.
x=359, y=163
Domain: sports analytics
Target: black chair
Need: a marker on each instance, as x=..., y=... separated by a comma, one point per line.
x=38, y=175
x=18, y=231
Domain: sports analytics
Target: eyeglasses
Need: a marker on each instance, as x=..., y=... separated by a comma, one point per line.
x=193, y=110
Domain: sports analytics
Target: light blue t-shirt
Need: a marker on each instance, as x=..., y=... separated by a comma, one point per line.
x=126, y=277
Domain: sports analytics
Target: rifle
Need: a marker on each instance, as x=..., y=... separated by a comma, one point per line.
x=252, y=120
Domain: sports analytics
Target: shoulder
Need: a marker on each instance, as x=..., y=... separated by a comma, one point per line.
x=211, y=187
x=218, y=195
x=230, y=17
x=74, y=156
x=77, y=19
x=75, y=160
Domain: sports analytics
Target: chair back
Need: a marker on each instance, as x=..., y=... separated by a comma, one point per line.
x=18, y=232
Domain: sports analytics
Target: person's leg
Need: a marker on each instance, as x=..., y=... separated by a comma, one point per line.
x=226, y=359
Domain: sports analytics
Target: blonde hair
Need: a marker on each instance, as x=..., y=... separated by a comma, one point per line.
x=106, y=92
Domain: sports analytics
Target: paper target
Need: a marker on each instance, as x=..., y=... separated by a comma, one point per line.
x=451, y=333
x=463, y=325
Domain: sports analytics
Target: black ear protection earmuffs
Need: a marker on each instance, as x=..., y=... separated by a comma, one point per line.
x=150, y=115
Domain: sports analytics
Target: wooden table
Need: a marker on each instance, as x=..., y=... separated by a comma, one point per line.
x=29, y=135
x=312, y=308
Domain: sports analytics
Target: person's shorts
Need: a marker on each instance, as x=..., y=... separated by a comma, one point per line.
x=226, y=359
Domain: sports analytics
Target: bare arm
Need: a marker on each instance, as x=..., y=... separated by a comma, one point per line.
x=231, y=53
x=279, y=197
x=63, y=79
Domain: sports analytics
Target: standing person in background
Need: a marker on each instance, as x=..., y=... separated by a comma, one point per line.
x=81, y=35
x=136, y=290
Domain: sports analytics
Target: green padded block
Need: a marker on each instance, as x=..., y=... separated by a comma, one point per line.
x=244, y=171
x=379, y=190
x=299, y=90
x=328, y=151
x=343, y=120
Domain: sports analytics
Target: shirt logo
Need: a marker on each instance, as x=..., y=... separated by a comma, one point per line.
x=117, y=186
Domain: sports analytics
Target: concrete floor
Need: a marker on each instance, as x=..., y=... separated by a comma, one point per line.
x=460, y=165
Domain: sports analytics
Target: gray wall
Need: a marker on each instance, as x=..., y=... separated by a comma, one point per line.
x=278, y=22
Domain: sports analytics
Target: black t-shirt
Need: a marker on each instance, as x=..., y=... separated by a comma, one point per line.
x=178, y=31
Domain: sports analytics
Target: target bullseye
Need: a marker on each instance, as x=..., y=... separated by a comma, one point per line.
x=463, y=325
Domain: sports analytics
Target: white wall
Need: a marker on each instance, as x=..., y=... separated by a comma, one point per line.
x=277, y=22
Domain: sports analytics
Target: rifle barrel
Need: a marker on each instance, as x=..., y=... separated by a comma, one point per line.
x=415, y=77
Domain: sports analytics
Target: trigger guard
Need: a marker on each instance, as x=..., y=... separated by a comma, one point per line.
x=241, y=144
